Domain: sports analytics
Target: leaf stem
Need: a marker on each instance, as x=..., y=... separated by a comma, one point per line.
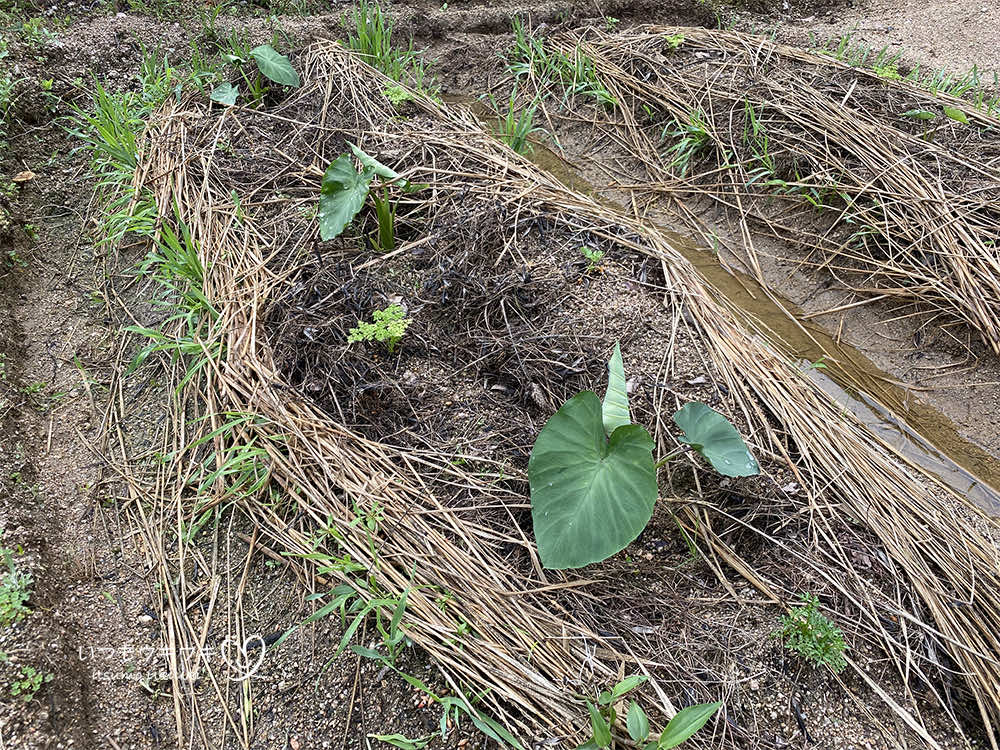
x=673, y=454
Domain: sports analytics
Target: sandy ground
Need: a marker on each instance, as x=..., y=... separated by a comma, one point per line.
x=953, y=34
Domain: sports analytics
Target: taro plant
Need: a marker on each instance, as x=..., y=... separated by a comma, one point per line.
x=604, y=717
x=344, y=191
x=385, y=213
x=271, y=65
x=592, y=475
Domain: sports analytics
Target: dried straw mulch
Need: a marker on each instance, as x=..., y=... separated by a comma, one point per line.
x=899, y=207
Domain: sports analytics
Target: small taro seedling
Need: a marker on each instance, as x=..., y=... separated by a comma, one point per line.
x=344, y=191
x=604, y=717
x=270, y=65
x=388, y=328
x=806, y=631
x=592, y=476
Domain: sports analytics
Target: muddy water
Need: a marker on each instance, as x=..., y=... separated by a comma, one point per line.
x=917, y=430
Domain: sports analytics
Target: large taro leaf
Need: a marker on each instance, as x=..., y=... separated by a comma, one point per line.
x=615, y=408
x=274, y=65
x=711, y=434
x=590, y=496
x=341, y=196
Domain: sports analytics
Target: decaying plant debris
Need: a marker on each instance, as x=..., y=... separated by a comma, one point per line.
x=448, y=516
x=888, y=186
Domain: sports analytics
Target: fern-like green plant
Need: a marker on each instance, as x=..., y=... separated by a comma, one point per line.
x=806, y=631
x=388, y=327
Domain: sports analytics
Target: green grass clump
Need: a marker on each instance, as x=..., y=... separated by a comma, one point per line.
x=811, y=634
x=691, y=138
x=972, y=87
x=370, y=35
x=576, y=74
x=515, y=125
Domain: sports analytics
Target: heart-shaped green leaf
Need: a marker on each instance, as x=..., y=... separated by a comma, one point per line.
x=341, y=196
x=590, y=496
x=225, y=93
x=687, y=721
x=274, y=65
x=615, y=408
x=711, y=434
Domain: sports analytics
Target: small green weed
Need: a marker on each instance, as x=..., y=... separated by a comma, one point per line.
x=15, y=590
x=593, y=256
x=889, y=71
x=388, y=328
x=806, y=631
x=397, y=95
x=516, y=126
x=33, y=30
x=29, y=684
x=755, y=137
x=674, y=41
x=16, y=260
